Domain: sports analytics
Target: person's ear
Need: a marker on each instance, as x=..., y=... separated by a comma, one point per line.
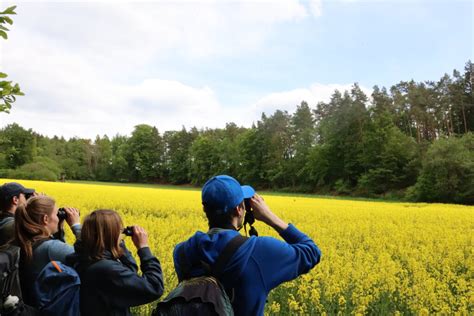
x=45, y=219
x=16, y=200
x=240, y=210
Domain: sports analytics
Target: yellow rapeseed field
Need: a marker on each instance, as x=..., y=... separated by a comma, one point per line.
x=378, y=258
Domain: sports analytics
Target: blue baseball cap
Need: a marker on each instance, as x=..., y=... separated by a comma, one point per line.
x=224, y=193
x=11, y=189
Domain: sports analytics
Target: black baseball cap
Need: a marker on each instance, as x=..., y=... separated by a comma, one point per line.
x=11, y=189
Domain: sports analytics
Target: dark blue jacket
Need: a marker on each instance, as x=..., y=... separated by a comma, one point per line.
x=259, y=265
x=111, y=287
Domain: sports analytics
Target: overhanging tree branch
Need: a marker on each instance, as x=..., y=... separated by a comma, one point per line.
x=8, y=89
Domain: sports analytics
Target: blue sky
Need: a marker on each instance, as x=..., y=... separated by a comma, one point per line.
x=101, y=67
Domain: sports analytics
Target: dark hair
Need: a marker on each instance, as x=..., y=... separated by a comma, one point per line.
x=29, y=227
x=100, y=232
x=6, y=203
x=216, y=219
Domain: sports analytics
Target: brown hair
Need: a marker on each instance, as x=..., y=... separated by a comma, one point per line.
x=29, y=227
x=100, y=232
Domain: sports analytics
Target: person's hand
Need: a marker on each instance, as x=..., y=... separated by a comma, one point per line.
x=72, y=217
x=262, y=212
x=139, y=237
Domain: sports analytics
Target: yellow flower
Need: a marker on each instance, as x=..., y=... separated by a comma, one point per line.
x=377, y=257
x=274, y=308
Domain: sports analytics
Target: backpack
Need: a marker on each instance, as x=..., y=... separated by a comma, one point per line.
x=57, y=290
x=11, y=300
x=203, y=295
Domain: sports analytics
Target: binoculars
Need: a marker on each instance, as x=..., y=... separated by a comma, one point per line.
x=128, y=231
x=62, y=215
x=249, y=218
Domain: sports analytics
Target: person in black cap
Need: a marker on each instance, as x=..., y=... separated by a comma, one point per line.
x=260, y=263
x=12, y=195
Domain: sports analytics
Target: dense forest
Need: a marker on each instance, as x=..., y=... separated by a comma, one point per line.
x=412, y=141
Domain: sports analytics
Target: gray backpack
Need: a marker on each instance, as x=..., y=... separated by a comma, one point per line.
x=204, y=295
x=11, y=302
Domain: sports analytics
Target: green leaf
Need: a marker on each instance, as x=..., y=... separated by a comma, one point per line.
x=3, y=28
x=5, y=107
x=3, y=34
x=7, y=91
x=17, y=90
x=8, y=20
x=5, y=83
x=8, y=105
x=10, y=10
x=3, y=75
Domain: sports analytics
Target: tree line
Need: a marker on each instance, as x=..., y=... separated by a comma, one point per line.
x=413, y=141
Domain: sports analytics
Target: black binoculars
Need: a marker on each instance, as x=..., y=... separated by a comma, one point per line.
x=249, y=218
x=128, y=231
x=62, y=215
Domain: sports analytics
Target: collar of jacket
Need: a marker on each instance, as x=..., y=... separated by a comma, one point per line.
x=108, y=255
x=216, y=230
x=5, y=214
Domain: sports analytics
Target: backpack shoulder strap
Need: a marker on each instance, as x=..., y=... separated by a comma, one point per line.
x=183, y=263
x=7, y=224
x=6, y=219
x=221, y=261
x=7, y=230
x=229, y=250
x=38, y=243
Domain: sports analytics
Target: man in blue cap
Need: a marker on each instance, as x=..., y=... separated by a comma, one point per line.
x=259, y=264
x=12, y=195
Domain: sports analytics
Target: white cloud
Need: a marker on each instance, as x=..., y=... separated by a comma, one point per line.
x=139, y=31
x=288, y=100
x=316, y=7
x=165, y=104
x=83, y=64
x=116, y=37
x=65, y=95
